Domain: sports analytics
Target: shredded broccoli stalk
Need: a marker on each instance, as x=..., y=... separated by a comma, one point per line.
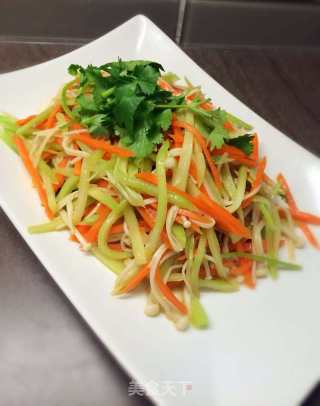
x=263, y=258
x=162, y=196
x=69, y=185
x=181, y=174
x=267, y=216
x=214, y=247
x=84, y=181
x=8, y=127
x=238, y=196
x=198, y=316
x=195, y=268
x=151, y=190
x=54, y=225
x=219, y=285
x=114, y=216
x=228, y=181
x=102, y=196
x=135, y=236
x=47, y=177
x=116, y=266
x=64, y=101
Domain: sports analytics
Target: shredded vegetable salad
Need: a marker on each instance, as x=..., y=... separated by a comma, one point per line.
x=163, y=187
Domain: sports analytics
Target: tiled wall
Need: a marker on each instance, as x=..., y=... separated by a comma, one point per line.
x=191, y=22
x=252, y=23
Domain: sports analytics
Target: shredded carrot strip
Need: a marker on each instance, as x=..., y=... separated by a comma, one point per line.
x=92, y=234
x=102, y=183
x=241, y=269
x=166, y=86
x=290, y=199
x=77, y=167
x=25, y=120
x=228, y=126
x=236, y=154
x=177, y=136
x=293, y=207
x=115, y=246
x=309, y=235
x=101, y=144
x=193, y=171
x=36, y=179
x=246, y=267
x=116, y=229
x=150, y=222
x=169, y=295
x=46, y=155
x=50, y=123
x=135, y=281
x=208, y=106
x=257, y=181
x=255, y=153
x=203, y=144
x=305, y=217
x=202, y=202
x=82, y=228
x=146, y=216
x=60, y=178
x=194, y=216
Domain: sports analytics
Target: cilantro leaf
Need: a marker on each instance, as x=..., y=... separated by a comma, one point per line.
x=147, y=79
x=244, y=142
x=217, y=136
x=164, y=119
x=126, y=104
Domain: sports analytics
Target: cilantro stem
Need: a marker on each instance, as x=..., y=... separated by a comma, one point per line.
x=108, y=92
x=64, y=102
x=192, y=107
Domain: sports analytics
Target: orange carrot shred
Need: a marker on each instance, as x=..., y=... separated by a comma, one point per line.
x=60, y=178
x=228, y=126
x=25, y=120
x=50, y=123
x=135, y=281
x=312, y=239
x=225, y=220
x=167, y=293
x=36, y=179
x=257, y=181
x=305, y=217
x=101, y=144
x=92, y=233
x=77, y=167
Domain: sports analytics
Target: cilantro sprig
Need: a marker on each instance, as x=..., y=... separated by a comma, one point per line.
x=121, y=98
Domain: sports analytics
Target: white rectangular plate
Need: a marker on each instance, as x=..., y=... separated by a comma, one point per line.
x=262, y=347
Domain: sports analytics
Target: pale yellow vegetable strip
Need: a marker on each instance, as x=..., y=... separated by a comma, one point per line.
x=181, y=174
x=227, y=180
x=238, y=195
x=115, y=215
x=214, y=247
x=114, y=265
x=83, y=187
x=135, y=236
x=155, y=234
x=199, y=161
x=102, y=196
